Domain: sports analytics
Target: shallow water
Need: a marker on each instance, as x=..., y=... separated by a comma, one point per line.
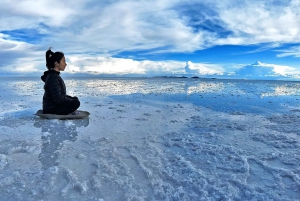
x=153, y=139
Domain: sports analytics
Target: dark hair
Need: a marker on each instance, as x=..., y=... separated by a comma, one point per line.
x=52, y=57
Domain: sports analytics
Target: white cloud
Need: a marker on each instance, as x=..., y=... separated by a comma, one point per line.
x=202, y=69
x=253, y=22
x=261, y=70
x=265, y=47
x=29, y=13
x=131, y=25
x=293, y=51
x=18, y=56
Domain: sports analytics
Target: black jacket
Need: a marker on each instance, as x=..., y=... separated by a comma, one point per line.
x=55, y=90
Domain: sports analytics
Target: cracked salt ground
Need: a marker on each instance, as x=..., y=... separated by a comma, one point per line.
x=156, y=139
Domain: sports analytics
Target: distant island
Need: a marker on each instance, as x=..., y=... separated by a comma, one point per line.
x=193, y=77
x=170, y=76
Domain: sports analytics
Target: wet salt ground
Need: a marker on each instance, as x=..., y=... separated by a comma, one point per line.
x=153, y=139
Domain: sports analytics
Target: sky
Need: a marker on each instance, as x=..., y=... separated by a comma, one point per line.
x=229, y=38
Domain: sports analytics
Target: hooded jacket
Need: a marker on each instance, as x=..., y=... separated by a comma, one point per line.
x=55, y=91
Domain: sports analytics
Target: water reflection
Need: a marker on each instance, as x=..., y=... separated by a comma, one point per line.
x=95, y=87
x=286, y=90
x=21, y=86
x=54, y=133
x=204, y=87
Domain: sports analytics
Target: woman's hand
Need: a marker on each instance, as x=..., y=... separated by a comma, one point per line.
x=72, y=97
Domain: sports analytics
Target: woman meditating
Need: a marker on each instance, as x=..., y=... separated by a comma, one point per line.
x=55, y=99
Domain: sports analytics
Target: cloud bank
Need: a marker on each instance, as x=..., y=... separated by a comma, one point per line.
x=109, y=65
x=120, y=66
x=261, y=70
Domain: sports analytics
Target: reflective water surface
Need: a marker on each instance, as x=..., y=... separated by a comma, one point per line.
x=152, y=139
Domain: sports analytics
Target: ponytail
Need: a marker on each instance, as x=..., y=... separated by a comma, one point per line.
x=52, y=57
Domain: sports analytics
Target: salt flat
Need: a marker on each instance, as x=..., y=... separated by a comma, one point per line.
x=153, y=139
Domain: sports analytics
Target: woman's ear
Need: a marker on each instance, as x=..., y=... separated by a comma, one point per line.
x=55, y=64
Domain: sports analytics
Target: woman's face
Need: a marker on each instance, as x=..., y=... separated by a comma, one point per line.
x=61, y=65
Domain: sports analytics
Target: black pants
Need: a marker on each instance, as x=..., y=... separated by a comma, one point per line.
x=65, y=108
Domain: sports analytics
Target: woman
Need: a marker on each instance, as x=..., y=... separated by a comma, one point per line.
x=55, y=99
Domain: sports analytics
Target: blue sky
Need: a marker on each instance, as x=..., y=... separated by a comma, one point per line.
x=160, y=37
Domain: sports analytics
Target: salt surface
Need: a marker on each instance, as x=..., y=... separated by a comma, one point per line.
x=153, y=139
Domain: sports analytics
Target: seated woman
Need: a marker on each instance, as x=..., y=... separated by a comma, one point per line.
x=55, y=99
